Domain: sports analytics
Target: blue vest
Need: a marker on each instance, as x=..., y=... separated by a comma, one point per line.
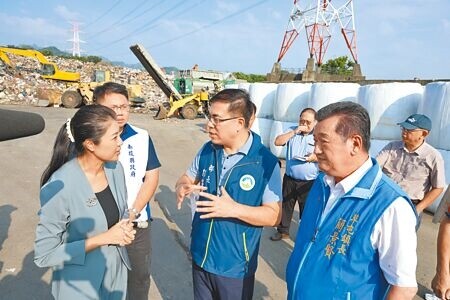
x=227, y=246
x=335, y=259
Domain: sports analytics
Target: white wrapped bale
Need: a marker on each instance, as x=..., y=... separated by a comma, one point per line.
x=263, y=95
x=436, y=105
x=277, y=129
x=291, y=99
x=323, y=94
x=244, y=86
x=376, y=146
x=263, y=127
x=389, y=104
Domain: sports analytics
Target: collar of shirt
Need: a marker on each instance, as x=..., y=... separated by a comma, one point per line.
x=244, y=149
x=349, y=182
x=127, y=132
x=419, y=151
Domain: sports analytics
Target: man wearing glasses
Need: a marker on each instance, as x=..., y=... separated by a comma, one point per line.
x=141, y=165
x=239, y=185
x=301, y=168
x=413, y=164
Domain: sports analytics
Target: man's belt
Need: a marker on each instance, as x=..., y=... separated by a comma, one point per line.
x=298, y=180
x=140, y=224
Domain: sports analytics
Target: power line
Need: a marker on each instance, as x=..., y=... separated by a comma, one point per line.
x=138, y=30
x=208, y=25
x=144, y=12
x=123, y=21
x=147, y=26
x=184, y=11
x=105, y=13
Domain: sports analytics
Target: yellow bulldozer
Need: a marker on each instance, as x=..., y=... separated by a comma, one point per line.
x=76, y=93
x=188, y=106
x=80, y=93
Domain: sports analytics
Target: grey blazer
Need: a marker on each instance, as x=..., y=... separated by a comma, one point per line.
x=70, y=213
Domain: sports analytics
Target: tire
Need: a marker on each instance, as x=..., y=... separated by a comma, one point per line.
x=189, y=111
x=71, y=99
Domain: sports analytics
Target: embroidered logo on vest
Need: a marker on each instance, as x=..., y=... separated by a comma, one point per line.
x=247, y=182
x=91, y=201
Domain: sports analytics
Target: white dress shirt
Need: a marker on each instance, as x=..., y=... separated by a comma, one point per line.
x=394, y=234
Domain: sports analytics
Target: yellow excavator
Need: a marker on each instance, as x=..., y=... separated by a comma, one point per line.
x=48, y=69
x=76, y=93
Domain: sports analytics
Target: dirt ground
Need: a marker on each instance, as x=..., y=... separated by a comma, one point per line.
x=176, y=141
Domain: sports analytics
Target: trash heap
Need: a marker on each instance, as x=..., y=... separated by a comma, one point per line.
x=20, y=84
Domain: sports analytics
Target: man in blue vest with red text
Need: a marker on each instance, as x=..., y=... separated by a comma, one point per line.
x=357, y=237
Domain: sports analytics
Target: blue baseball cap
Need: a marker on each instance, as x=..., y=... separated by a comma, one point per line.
x=416, y=121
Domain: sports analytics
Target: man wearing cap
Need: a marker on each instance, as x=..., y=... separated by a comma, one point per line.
x=414, y=164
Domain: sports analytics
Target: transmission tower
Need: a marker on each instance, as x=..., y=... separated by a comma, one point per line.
x=319, y=18
x=76, y=50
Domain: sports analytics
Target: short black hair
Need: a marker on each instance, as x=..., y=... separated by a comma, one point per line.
x=353, y=119
x=239, y=103
x=109, y=88
x=311, y=110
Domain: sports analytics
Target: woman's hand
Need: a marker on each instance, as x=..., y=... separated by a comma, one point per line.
x=122, y=233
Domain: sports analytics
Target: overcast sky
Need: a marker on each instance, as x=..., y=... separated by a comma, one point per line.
x=395, y=39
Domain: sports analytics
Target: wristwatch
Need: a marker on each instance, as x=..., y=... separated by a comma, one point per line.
x=135, y=212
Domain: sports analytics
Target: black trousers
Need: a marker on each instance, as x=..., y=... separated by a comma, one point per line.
x=208, y=286
x=293, y=191
x=139, y=252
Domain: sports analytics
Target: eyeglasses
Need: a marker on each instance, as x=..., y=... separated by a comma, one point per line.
x=124, y=107
x=216, y=120
x=410, y=130
x=306, y=122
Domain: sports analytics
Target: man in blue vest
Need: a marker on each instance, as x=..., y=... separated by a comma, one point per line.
x=357, y=237
x=141, y=165
x=240, y=191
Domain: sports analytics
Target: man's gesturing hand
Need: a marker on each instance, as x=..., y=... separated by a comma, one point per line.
x=184, y=190
x=219, y=207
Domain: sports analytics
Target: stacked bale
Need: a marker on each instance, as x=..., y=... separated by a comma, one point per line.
x=291, y=99
x=244, y=86
x=389, y=104
x=263, y=95
x=436, y=105
x=323, y=94
x=278, y=128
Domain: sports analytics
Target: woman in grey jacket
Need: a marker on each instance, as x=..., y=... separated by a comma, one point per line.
x=83, y=228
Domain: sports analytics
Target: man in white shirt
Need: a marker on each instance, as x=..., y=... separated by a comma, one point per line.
x=357, y=237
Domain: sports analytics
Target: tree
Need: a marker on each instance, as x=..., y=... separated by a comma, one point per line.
x=341, y=65
x=249, y=77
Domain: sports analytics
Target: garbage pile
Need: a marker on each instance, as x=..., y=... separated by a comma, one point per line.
x=22, y=83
